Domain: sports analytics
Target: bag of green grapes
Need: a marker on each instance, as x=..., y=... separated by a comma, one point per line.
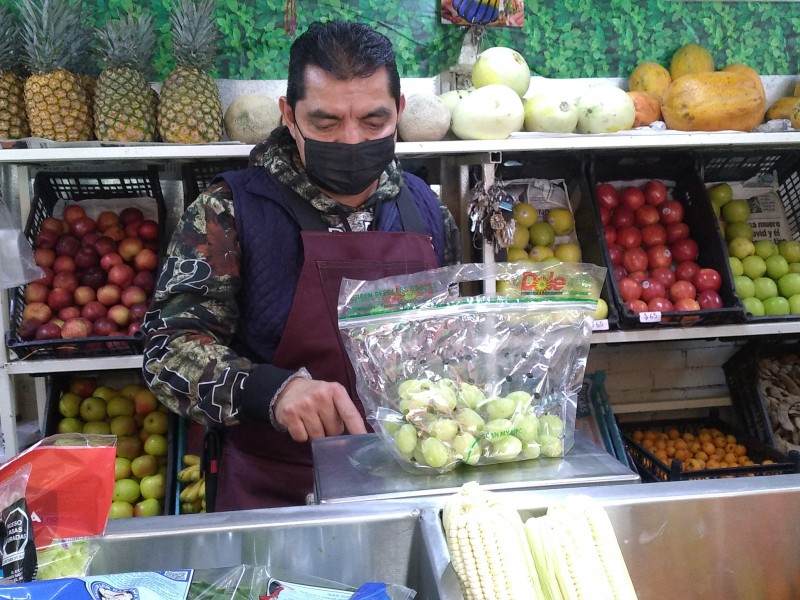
x=449, y=379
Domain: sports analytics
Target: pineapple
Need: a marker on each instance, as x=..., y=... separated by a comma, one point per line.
x=190, y=109
x=124, y=110
x=54, y=39
x=13, y=123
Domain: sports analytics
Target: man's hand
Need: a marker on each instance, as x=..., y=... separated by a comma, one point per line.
x=311, y=409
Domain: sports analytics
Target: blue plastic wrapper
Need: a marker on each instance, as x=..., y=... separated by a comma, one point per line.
x=382, y=591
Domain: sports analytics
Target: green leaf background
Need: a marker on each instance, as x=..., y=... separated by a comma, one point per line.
x=560, y=38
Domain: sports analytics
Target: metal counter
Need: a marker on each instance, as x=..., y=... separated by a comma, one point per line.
x=354, y=468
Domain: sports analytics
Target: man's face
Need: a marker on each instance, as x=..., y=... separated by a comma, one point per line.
x=346, y=112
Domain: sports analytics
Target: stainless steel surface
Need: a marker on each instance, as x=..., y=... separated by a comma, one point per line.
x=354, y=468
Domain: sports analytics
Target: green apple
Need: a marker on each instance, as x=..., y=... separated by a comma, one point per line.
x=150, y=507
x=69, y=404
x=70, y=425
x=601, y=312
x=561, y=220
x=777, y=266
x=96, y=428
x=144, y=465
x=736, y=211
x=521, y=238
x=740, y=247
x=776, y=305
x=794, y=267
x=744, y=286
x=542, y=234
x=122, y=468
x=156, y=422
x=126, y=490
x=120, y=510
x=105, y=392
x=93, y=409
x=129, y=446
x=119, y=405
x=153, y=486
x=525, y=214
x=765, y=248
x=790, y=250
x=156, y=443
x=789, y=285
x=738, y=230
x=720, y=193
x=736, y=266
x=123, y=425
x=517, y=255
x=754, y=306
x=753, y=266
x=794, y=304
x=539, y=253
x=763, y=288
x=568, y=252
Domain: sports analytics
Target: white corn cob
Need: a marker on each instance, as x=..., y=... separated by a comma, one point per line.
x=489, y=559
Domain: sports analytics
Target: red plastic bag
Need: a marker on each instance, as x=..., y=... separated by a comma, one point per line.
x=70, y=485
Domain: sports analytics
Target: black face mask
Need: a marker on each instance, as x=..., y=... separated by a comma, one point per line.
x=347, y=169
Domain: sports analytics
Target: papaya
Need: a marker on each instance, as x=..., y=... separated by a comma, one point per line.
x=750, y=72
x=647, y=106
x=796, y=89
x=690, y=58
x=782, y=108
x=713, y=101
x=650, y=77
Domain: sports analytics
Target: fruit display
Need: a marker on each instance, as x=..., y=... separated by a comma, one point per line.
x=569, y=552
x=193, y=486
x=99, y=274
x=13, y=121
x=132, y=413
x=655, y=260
x=442, y=424
x=765, y=268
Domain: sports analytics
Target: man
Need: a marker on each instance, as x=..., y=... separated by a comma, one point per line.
x=243, y=331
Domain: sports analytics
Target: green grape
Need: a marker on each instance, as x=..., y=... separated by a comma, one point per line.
x=443, y=398
x=412, y=386
x=531, y=450
x=405, y=439
x=521, y=399
x=469, y=420
x=551, y=445
x=528, y=427
x=470, y=396
x=507, y=448
x=435, y=452
x=390, y=427
x=551, y=425
x=413, y=403
x=444, y=429
x=497, y=429
x=500, y=408
x=466, y=448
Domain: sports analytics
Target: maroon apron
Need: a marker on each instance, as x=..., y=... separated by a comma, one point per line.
x=265, y=468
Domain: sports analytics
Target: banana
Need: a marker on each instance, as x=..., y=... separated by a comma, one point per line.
x=191, y=492
x=190, y=473
x=191, y=459
x=202, y=493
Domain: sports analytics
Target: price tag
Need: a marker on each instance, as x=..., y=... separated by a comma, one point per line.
x=600, y=325
x=650, y=316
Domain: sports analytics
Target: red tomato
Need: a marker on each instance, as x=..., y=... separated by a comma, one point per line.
x=647, y=215
x=658, y=256
x=653, y=235
x=686, y=270
x=632, y=197
x=681, y=289
x=629, y=289
x=677, y=231
x=660, y=304
x=671, y=211
x=707, y=279
x=634, y=259
x=652, y=288
x=663, y=274
x=629, y=237
x=639, y=276
x=615, y=254
x=686, y=304
x=686, y=249
x=655, y=192
x=623, y=217
x=610, y=233
x=607, y=196
x=619, y=272
x=709, y=299
x=605, y=215
x=637, y=306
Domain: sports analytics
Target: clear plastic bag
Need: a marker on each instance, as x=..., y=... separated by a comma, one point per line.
x=448, y=379
x=17, y=265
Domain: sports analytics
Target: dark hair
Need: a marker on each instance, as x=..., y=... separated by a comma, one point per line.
x=344, y=50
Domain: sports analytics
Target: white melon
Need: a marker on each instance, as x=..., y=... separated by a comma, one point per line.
x=491, y=112
x=251, y=117
x=504, y=66
x=426, y=118
x=605, y=109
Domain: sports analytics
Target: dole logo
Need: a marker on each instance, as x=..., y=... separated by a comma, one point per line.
x=542, y=283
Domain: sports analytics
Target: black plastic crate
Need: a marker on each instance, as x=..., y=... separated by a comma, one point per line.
x=651, y=468
x=197, y=176
x=50, y=188
x=689, y=190
x=780, y=167
x=59, y=383
x=748, y=387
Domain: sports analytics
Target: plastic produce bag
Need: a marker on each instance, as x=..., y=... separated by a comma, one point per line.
x=17, y=265
x=447, y=379
x=17, y=547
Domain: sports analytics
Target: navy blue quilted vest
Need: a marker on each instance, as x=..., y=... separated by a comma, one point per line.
x=272, y=253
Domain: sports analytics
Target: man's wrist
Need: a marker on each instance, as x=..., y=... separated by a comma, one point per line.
x=302, y=373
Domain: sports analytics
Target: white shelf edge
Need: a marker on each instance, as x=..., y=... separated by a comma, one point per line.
x=697, y=333
x=34, y=367
x=534, y=143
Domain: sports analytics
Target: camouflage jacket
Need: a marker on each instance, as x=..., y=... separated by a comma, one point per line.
x=188, y=361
